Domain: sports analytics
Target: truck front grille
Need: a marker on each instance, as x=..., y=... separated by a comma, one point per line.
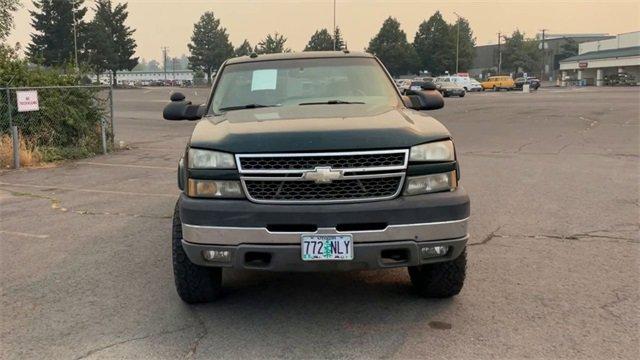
x=265, y=190
x=323, y=177
x=306, y=162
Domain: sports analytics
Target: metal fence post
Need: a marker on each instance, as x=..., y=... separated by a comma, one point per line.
x=16, y=147
x=103, y=131
x=113, y=131
x=14, y=133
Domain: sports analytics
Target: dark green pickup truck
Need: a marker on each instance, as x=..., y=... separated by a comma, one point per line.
x=315, y=162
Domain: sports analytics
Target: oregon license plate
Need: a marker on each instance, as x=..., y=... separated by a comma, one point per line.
x=327, y=247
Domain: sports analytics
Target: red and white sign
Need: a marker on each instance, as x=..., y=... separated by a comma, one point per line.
x=583, y=64
x=27, y=100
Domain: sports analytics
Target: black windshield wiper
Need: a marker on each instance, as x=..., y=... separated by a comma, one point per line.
x=248, y=106
x=332, y=102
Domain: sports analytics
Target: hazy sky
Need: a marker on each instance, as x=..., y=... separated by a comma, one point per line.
x=170, y=22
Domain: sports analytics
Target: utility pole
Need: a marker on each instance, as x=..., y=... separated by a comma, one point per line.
x=334, y=25
x=499, y=54
x=457, y=42
x=543, y=55
x=164, y=55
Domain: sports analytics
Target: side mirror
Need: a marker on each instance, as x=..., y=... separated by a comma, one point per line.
x=181, y=109
x=424, y=100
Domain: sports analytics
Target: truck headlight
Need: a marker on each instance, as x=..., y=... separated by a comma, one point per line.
x=435, y=151
x=214, y=189
x=207, y=159
x=431, y=183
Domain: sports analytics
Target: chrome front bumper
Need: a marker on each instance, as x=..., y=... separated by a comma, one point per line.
x=231, y=236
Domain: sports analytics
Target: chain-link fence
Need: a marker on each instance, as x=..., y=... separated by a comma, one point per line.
x=67, y=122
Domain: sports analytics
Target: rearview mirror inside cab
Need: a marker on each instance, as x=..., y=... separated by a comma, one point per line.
x=427, y=99
x=181, y=109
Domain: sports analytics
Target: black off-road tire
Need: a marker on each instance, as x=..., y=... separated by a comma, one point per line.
x=194, y=283
x=440, y=280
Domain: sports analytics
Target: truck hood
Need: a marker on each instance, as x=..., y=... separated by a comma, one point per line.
x=316, y=128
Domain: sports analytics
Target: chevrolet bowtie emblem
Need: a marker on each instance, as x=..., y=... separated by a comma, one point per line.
x=322, y=175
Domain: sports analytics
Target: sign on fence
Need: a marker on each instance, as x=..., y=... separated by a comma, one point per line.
x=27, y=100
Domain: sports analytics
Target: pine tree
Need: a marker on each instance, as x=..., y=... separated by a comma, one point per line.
x=110, y=45
x=433, y=45
x=52, y=44
x=337, y=35
x=321, y=40
x=7, y=7
x=272, y=44
x=390, y=45
x=209, y=46
x=244, y=49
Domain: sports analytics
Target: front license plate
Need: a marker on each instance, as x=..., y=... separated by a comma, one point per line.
x=327, y=247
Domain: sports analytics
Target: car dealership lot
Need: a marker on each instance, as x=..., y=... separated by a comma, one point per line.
x=553, y=261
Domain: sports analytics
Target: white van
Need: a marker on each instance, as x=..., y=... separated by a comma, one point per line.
x=469, y=84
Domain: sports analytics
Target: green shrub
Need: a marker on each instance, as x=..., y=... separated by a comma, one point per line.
x=68, y=124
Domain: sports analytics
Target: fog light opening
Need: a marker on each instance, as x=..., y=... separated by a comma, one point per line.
x=217, y=255
x=434, y=251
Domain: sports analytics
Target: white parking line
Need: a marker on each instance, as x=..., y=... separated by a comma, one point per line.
x=114, y=192
x=24, y=234
x=126, y=165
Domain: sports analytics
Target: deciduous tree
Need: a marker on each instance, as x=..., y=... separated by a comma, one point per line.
x=520, y=54
x=390, y=45
x=209, y=46
x=433, y=45
x=466, y=45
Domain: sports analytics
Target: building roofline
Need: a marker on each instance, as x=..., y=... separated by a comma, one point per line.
x=605, y=54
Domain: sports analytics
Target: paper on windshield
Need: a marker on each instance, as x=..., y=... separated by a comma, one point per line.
x=265, y=79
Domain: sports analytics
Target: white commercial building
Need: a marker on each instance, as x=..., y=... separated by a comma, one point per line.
x=142, y=77
x=600, y=60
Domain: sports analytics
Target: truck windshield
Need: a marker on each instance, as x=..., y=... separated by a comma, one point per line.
x=299, y=82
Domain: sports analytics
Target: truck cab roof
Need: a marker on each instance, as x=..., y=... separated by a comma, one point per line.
x=298, y=55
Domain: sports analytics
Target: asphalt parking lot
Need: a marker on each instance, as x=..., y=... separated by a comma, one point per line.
x=553, y=271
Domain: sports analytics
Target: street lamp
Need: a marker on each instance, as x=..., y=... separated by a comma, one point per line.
x=457, y=41
x=334, y=25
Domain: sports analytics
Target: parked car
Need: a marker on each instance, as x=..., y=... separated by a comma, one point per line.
x=498, y=83
x=534, y=83
x=447, y=87
x=403, y=83
x=467, y=83
x=348, y=174
x=620, y=79
x=474, y=85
